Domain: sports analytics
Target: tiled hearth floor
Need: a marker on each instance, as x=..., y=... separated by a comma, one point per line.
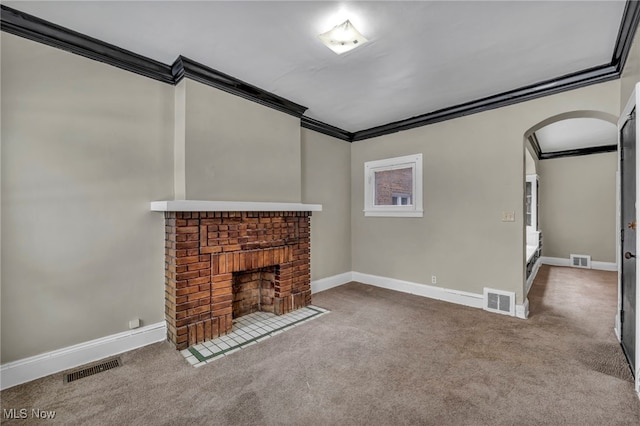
x=249, y=330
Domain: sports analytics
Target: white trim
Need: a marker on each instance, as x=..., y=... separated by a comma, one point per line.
x=35, y=367
x=555, y=261
x=330, y=282
x=604, y=266
x=415, y=209
x=559, y=261
x=522, y=311
x=454, y=296
x=394, y=213
x=230, y=206
x=618, y=325
x=533, y=179
x=458, y=297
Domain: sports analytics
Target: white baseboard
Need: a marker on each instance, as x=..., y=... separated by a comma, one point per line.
x=559, y=261
x=458, y=297
x=522, y=311
x=35, y=367
x=330, y=282
x=604, y=266
x=454, y=296
x=555, y=261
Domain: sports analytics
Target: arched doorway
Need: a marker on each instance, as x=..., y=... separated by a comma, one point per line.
x=579, y=198
x=576, y=206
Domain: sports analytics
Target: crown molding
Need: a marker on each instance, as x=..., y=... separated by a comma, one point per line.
x=327, y=129
x=185, y=67
x=628, y=26
x=578, y=152
x=28, y=26
x=607, y=72
x=549, y=87
x=535, y=144
x=36, y=29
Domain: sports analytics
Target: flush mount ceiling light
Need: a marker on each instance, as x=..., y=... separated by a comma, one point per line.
x=342, y=38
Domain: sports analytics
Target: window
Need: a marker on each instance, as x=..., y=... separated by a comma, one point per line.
x=393, y=187
x=531, y=202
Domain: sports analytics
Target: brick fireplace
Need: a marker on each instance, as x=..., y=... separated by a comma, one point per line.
x=224, y=264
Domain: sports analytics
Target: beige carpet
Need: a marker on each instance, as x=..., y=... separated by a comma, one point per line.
x=381, y=358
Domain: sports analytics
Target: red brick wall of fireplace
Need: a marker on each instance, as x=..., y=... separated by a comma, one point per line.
x=208, y=254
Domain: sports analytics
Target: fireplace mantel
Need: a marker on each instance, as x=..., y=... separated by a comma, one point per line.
x=231, y=206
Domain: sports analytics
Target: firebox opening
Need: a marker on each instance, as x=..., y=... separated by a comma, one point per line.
x=253, y=291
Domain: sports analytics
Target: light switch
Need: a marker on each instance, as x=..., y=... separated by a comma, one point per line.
x=509, y=216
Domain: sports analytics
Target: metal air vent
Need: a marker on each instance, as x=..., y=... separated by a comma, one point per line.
x=580, y=261
x=499, y=301
x=91, y=370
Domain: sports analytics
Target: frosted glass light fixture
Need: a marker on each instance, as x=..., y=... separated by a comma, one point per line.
x=342, y=38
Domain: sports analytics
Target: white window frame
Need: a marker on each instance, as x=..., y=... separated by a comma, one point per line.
x=371, y=167
x=533, y=179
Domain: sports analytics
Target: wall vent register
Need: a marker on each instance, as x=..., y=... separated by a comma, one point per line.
x=500, y=302
x=580, y=261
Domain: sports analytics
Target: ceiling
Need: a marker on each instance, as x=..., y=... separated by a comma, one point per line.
x=421, y=57
x=576, y=134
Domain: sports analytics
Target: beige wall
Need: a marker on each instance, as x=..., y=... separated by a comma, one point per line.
x=631, y=72
x=530, y=161
x=85, y=147
x=326, y=165
x=239, y=150
x=577, y=206
x=473, y=171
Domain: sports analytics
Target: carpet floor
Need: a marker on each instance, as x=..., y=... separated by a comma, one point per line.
x=380, y=358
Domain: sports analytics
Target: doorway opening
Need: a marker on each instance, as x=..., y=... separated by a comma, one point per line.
x=585, y=193
x=570, y=191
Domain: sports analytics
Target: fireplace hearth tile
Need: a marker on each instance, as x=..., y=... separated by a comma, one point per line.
x=206, y=352
x=249, y=330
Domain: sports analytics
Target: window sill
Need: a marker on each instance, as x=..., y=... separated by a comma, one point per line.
x=388, y=213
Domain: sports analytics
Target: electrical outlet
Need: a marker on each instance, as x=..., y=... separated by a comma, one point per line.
x=433, y=279
x=134, y=323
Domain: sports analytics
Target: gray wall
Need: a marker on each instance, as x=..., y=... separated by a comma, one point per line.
x=473, y=171
x=85, y=147
x=577, y=206
x=326, y=165
x=530, y=161
x=238, y=150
